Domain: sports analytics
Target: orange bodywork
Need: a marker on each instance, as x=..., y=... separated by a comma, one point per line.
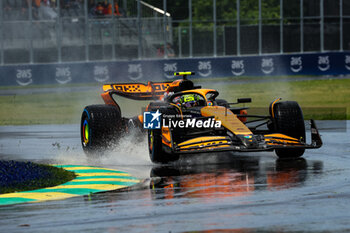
x=107, y=98
x=210, y=142
x=241, y=118
x=166, y=138
x=156, y=90
x=151, y=87
x=202, y=92
x=174, y=84
x=153, y=90
x=227, y=118
x=272, y=139
x=140, y=117
x=272, y=105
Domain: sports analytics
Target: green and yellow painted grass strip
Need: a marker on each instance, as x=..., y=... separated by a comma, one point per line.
x=89, y=180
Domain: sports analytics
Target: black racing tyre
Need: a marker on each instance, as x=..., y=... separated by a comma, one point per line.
x=288, y=119
x=156, y=152
x=101, y=126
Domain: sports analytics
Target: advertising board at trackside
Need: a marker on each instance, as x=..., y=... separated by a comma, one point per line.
x=331, y=63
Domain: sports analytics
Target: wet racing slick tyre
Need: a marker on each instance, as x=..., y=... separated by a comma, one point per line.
x=288, y=119
x=156, y=152
x=100, y=128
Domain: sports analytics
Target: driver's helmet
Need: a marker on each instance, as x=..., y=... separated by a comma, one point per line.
x=189, y=100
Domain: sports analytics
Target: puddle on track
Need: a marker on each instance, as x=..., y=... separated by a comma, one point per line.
x=248, y=192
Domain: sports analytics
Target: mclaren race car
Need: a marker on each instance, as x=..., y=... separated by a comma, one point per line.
x=186, y=119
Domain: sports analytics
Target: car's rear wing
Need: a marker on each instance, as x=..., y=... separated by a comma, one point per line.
x=149, y=91
x=137, y=91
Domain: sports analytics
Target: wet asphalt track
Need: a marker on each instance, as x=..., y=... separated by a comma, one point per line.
x=250, y=192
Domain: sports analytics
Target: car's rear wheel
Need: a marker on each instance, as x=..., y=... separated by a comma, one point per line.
x=156, y=152
x=288, y=119
x=100, y=127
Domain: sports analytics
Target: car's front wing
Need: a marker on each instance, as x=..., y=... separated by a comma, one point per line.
x=266, y=143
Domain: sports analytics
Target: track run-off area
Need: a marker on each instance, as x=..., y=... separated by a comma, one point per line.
x=242, y=192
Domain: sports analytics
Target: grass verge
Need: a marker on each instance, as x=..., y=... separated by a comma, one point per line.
x=320, y=99
x=324, y=99
x=24, y=176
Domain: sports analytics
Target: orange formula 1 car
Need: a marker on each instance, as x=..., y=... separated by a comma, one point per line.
x=186, y=119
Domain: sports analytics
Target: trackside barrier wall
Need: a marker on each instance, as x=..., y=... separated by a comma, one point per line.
x=333, y=63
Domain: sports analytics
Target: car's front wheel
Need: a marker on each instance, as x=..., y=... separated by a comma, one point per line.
x=288, y=119
x=156, y=152
x=100, y=127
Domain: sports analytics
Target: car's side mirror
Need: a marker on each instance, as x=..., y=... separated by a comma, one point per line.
x=244, y=100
